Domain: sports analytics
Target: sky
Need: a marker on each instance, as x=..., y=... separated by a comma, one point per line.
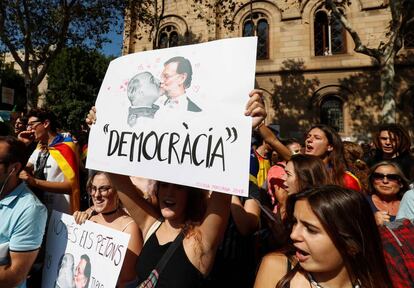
x=114, y=48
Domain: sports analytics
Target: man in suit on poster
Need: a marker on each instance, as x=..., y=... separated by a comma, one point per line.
x=175, y=79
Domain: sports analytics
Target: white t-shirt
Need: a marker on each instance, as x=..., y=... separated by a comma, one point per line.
x=53, y=201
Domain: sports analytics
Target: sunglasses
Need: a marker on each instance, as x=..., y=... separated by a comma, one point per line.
x=390, y=177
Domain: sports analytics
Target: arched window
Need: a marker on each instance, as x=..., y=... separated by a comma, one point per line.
x=256, y=24
x=332, y=113
x=329, y=34
x=168, y=37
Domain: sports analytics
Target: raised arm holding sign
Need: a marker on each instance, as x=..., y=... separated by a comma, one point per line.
x=207, y=150
x=185, y=210
x=171, y=113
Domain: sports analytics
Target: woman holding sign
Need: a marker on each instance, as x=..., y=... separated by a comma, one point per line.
x=106, y=210
x=188, y=220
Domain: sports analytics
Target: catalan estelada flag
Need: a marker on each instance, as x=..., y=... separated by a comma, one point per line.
x=64, y=151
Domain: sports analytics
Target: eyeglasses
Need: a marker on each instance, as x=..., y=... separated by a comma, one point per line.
x=103, y=190
x=33, y=125
x=167, y=77
x=390, y=177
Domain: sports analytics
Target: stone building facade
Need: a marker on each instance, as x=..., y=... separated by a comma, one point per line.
x=305, y=62
x=8, y=59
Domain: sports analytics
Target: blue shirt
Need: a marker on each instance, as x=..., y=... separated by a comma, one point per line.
x=23, y=220
x=406, y=209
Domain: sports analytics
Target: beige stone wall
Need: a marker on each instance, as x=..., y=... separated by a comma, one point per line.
x=294, y=105
x=8, y=59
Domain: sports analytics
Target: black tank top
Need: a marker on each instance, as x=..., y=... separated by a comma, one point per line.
x=179, y=271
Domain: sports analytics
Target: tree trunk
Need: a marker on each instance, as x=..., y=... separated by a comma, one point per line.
x=31, y=94
x=388, y=113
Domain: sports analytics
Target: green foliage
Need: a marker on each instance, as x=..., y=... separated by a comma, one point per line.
x=75, y=77
x=36, y=31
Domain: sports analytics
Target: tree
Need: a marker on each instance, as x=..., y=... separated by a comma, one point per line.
x=402, y=14
x=146, y=17
x=34, y=32
x=294, y=112
x=75, y=77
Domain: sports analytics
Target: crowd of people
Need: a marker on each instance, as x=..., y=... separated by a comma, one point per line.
x=322, y=213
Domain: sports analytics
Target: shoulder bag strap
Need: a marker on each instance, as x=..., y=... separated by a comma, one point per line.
x=170, y=251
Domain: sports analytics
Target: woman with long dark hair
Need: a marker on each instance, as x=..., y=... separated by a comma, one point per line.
x=305, y=171
x=301, y=172
x=334, y=243
x=324, y=142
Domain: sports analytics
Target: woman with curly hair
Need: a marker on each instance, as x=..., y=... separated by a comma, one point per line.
x=392, y=143
x=353, y=154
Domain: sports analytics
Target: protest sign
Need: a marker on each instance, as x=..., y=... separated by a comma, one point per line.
x=177, y=115
x=87, y=255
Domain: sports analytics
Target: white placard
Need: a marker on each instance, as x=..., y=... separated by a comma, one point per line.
x=89, y=254
x=200, y=138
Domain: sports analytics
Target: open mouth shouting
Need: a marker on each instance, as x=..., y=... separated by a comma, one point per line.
x=301, y=255
x=309, y=148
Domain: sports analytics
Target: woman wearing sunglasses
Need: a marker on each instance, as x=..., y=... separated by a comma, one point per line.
x=107, y=211
x=387, y=184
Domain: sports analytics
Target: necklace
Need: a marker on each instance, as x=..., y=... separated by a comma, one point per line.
x=317, y=285
x=110, y=212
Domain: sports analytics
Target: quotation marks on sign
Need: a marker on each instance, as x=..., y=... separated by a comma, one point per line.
x=105, y=128
x=231, y=133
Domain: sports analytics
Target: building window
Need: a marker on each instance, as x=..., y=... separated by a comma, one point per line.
x=329, y=34
x=256, y=24
x=409, y=36
x=332, y=113
x=168, y=37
